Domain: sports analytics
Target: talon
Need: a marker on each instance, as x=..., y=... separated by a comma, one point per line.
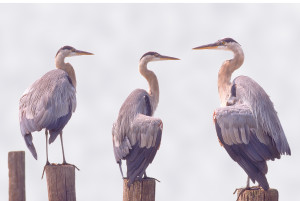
x=241, y=193
x=47, y=163
x=156, y=180
x=245, y=189
x=151, y=178
x=236, y=190
x=65, y=163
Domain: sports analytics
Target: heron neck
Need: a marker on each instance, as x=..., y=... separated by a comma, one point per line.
x=225, y=72
x=153, y=84
x=67, y=67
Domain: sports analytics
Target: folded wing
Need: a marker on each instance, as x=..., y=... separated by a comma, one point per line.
x=237, y=131
x=140, y=145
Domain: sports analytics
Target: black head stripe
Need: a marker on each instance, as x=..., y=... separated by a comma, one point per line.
x=149, y=53
x=64, y=48
x=229, y=40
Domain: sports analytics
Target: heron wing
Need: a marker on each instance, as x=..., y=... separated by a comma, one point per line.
x=136, y=135
x=145, y=138
x=237, y=131
x=252, y=94
x=47, y=103
x=137, y=102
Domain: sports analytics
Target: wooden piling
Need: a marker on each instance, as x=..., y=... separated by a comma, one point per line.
x=258, y=195
x=16, y=173
x=143, y=190
x=61, y=182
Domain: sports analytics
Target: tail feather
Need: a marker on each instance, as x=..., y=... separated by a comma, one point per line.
x=53, y=136
x=262, y=180
x=28, y=140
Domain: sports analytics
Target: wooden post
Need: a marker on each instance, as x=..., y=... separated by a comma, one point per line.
x=61, y=182
x=258, y=195
x=143, y=190
x=16, y=173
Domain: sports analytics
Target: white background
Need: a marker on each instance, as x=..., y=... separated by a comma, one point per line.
x=190, y=163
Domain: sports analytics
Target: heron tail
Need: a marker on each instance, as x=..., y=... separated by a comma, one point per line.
x=28, y=140
x=262, y=180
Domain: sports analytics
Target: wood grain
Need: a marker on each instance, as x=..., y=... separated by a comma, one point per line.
x=16, y=173
x=61, y=182
x=258, y=195
x=143, y=190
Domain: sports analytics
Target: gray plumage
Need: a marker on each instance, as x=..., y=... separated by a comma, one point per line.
x=50, y=101
x=136, y=134
x=247, y=124
x=250, y=130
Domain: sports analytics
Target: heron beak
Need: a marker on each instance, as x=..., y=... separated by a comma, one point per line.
x=209, y=46
x=167, y=58
x=79, y=52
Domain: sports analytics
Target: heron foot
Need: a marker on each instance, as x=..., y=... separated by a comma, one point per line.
x=47, y=163
x=244, y=189
x=146, y=177
x=65, y=163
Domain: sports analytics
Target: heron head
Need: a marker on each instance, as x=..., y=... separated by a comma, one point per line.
x=68, y=51
x=223, y=44
x=154, y=56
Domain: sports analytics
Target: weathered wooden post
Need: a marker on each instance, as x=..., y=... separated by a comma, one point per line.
x=61, y=182
x=258, y=195
x=16, y=173
x=143, y=190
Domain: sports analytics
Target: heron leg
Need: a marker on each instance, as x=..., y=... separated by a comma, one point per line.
x=63, y=152
x=248, y=182
x=47, y=162
x=46, y=133
x=62, y=147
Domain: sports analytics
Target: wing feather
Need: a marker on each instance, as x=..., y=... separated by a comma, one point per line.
x=235, y=122
x=136, y=135
x=144, y=151
x=48, y=99
x=268, y=125
x=136, y=103
x=236, y=129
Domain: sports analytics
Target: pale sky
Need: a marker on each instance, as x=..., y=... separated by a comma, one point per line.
x=190, y=162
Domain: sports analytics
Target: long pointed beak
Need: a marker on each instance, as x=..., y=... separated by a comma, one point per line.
x=167, y=58
x=209, y=46
x=79, y=52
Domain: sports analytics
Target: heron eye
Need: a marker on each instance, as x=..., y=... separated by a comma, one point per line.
x=223, y=42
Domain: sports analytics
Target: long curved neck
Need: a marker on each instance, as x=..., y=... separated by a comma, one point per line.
x=60, y=64
x=153, y=83
x=225, y=72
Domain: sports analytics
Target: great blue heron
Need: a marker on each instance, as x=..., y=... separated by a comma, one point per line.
x=247, y=124
x=50, y=101
x=136, y=134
